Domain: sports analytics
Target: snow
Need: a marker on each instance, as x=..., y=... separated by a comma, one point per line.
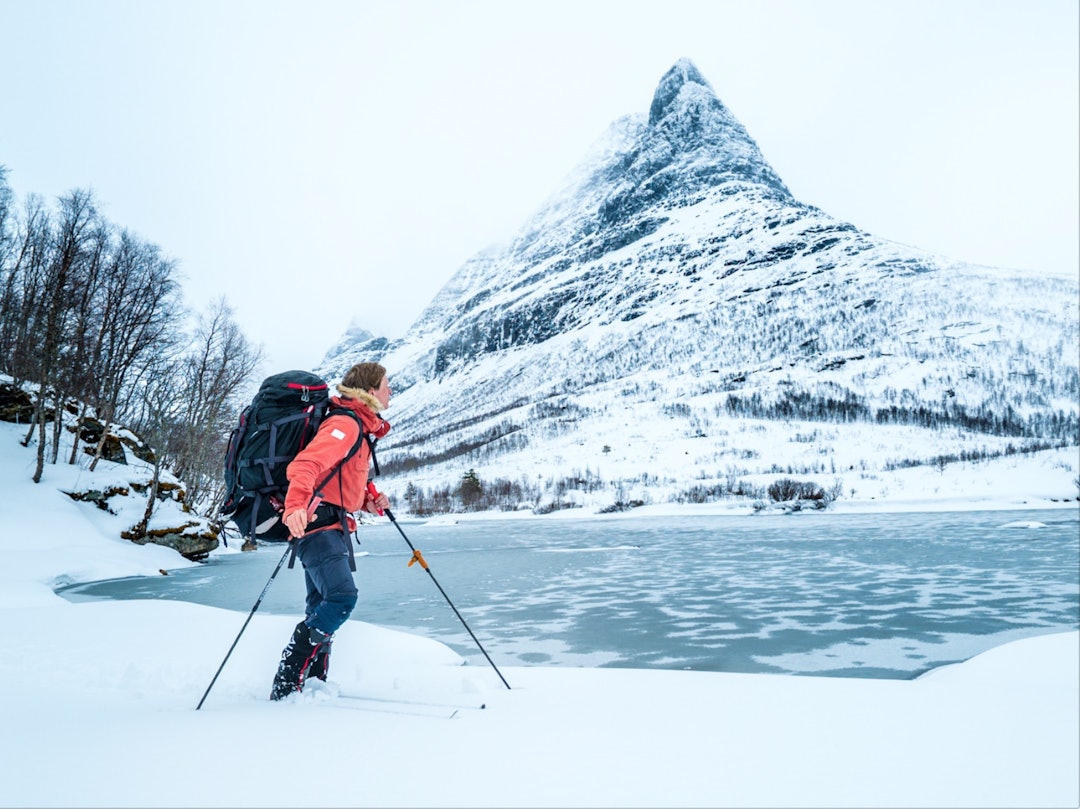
x=99, y=701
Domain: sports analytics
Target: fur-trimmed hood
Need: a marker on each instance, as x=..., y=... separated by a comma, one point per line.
x=361, y=396
x=365, y=406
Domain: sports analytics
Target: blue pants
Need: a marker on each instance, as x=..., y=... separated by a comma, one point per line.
x=331, y=591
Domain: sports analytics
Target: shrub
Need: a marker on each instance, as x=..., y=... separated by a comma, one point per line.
x=788, y=489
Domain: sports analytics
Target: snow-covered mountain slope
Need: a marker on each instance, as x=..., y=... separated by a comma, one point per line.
x=673, y=290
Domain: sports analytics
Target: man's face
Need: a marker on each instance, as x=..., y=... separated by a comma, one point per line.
x=382, y=393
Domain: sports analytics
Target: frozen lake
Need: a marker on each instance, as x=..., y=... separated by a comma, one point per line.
x=882, y=595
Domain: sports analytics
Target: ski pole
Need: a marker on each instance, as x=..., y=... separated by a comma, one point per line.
x=418, y=557
x=257, y=603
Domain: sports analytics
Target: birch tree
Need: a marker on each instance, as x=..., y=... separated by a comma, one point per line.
x=76, y=220
x=139, y=319
x=216, y=375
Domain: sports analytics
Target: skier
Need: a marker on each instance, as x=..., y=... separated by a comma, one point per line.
x=324, y=533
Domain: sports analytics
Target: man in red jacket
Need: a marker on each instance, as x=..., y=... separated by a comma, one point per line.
x=324, y=528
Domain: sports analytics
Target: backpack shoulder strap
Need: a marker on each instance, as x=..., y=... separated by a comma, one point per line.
x=364, y=434
x=341, y=411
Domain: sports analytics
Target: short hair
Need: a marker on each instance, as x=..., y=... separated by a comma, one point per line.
x=363, y=376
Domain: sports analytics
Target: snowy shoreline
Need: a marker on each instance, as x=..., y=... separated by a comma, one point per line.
x=1036, y=481
x=722, y=509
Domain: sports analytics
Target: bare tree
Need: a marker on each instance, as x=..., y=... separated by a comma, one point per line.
x=23, y=290
x=73, y=233
x=7, y=199
x=153, y=418
x=215, y=372
x=74, y=378
x=140, y=310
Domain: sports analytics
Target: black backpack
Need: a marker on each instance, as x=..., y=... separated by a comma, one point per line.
x=280, y=421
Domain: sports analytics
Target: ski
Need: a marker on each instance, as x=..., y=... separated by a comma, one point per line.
x=418, y=707
x=332, y=696
x=401, y=709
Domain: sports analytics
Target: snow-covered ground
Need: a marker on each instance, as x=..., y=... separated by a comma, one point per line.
x=98, y=703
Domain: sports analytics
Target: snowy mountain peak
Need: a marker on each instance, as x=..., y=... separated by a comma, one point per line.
x=682, y=73
x=674, y=280
x=690, y=127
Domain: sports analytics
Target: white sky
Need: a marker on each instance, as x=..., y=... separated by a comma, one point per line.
x=355, y=153
x=103, y=704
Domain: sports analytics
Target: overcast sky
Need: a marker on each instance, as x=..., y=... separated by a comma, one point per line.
x=348, y=156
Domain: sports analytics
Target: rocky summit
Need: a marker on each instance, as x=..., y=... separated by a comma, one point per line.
x=673, y=321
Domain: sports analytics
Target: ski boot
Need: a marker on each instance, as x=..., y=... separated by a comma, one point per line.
x=297, y=658
x=320, y=665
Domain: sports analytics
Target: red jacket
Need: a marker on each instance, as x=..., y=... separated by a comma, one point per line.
x=336, y=436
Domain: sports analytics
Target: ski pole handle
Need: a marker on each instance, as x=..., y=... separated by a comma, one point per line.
x=374, y=493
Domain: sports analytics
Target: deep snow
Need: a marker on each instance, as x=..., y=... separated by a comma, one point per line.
x=99, y=699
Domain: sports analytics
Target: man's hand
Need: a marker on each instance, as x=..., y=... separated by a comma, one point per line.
x=296, y=521
x=376, y=502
